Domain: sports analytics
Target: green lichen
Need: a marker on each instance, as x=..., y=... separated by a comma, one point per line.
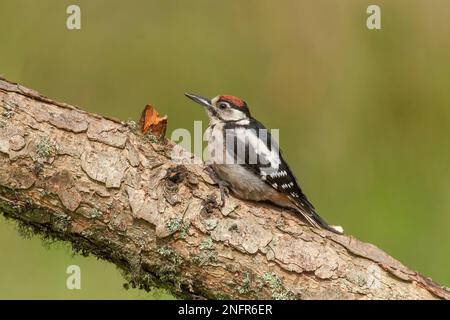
x=222, y=296
x=184, y=229
x=61, y=221
x=132, y=125
x=25, y=231
x=9, y=191
x=45, y=148
x=7, y=114
x=283, y=295
x=44, y=224
x=149, y=137
x=207, y=244
x=168, y=252
x=272, y=280
x=205, y=258
x=275, y=284
x=35, y=221
x=245, y=286
x=177, y=224
x=95, y=213
x=170, y=272
x=174, y=224
x=207, y=254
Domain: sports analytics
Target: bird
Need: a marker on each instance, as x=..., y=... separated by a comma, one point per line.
x=242, y=156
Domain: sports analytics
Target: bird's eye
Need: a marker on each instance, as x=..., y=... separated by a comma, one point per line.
x=223, y=105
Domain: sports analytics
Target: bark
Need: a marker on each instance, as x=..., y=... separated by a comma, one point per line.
x=109, y=190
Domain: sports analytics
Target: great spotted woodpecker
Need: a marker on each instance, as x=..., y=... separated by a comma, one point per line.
x=246, y=159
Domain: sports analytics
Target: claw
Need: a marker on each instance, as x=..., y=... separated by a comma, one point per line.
x=224, y=191
x=223, y=185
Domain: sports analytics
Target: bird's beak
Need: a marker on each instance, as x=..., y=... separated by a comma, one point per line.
x=199, y=99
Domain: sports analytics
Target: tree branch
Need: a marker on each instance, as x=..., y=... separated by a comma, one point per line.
x=110, y=191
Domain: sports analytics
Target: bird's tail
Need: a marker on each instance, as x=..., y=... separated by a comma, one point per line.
x=306, y=209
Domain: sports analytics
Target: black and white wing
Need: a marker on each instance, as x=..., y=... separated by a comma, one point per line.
x=254, y=148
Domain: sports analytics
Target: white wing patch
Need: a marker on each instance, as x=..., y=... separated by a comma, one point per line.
x=278, y=174
x=287, y=185
x=243, y=122
x=268, y=162
x=259, y=151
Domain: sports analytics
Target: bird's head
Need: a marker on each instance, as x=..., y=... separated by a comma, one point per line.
x=223, y=108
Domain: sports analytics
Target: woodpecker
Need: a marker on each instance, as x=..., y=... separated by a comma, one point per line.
x=246, y=159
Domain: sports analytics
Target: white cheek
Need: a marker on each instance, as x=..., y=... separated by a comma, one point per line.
x=233, y=114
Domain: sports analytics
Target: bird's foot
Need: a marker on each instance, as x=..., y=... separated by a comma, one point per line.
x=224, y=191
x=223, y=185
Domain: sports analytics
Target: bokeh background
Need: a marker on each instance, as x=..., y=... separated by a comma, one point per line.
x=364, y=116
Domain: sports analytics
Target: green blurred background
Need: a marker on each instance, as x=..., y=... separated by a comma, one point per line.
x=364, y=116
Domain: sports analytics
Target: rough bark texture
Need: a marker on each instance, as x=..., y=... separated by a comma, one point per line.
x=101, y=185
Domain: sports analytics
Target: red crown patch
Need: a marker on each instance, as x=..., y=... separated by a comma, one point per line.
x=234, y=100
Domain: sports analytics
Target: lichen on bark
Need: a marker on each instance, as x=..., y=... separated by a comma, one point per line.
x=95, y=182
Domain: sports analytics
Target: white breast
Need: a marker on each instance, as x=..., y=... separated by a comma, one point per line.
x=215, y=151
